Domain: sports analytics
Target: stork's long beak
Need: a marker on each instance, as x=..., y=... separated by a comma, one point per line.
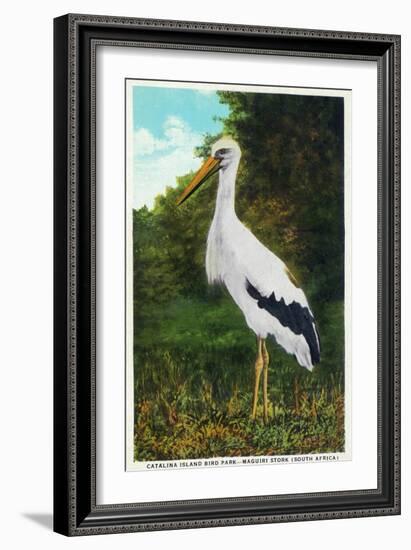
x=210, y=167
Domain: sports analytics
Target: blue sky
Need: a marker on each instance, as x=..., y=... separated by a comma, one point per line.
x=168, y=123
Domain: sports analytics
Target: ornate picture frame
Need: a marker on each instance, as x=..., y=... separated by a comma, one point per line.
x=77, y=38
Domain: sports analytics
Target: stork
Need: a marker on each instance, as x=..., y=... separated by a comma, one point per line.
x=258, y=281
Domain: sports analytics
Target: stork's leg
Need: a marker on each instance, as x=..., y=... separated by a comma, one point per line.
x=259, y=363
x=266, y=360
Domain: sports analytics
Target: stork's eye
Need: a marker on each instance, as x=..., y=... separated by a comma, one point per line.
x=221, y=152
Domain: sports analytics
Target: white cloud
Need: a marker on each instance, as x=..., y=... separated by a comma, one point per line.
x=158, y=161
x=176, y=131
x=146, y=144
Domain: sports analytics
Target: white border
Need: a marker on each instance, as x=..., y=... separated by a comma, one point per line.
x=114, y=484
x=204, y=462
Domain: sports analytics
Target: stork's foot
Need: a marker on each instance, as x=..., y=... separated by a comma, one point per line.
x=259, y=365
x=266, y=360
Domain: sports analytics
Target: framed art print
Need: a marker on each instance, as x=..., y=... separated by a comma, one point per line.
x=191, y=399
x=226, y=274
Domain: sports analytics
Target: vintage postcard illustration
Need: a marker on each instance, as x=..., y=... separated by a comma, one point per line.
x=238, y=274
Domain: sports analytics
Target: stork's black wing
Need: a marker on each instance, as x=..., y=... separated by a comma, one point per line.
x=294, y=316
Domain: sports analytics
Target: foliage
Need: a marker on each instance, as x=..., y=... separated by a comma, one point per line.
x=193, y=353
x=186, y=418
x=292, y=178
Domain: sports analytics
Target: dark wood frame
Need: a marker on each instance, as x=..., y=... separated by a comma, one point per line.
x=76, y=38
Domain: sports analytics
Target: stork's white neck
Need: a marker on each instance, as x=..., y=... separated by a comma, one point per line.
x=225, y=203
x=224, y=221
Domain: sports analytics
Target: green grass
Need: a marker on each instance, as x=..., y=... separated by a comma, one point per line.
x=199, y=428
x=193, y=388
